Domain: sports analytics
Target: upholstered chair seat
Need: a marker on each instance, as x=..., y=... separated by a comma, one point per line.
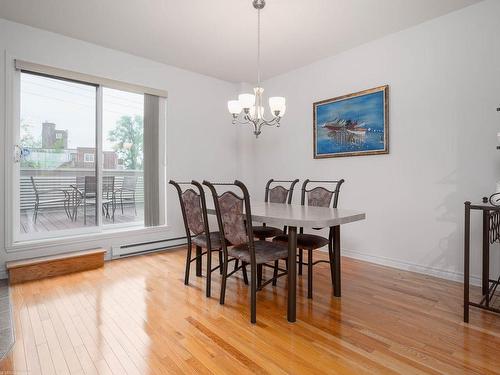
x=201, y=240
x=265, y=251
x=263, y=232
x=305, y=241
x=277, y=194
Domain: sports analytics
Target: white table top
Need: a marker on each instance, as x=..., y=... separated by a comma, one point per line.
x=301, y=216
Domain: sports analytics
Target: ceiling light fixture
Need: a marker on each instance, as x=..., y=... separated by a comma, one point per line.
x=250, y=107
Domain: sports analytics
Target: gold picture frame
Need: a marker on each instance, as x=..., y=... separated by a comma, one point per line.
x=355, y=124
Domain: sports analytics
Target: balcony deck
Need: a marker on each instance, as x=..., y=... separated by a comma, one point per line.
x=50, y=220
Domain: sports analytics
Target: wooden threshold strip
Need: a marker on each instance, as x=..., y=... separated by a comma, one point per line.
x=54, y=265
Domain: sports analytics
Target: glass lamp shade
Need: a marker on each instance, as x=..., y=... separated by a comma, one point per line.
x=277, y=103
x=246, y=100
x=234, y=107
x=283, y=110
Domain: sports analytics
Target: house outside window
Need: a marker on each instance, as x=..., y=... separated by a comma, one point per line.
x=88, y=158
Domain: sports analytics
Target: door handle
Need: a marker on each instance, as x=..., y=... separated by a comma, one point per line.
x=18, y=152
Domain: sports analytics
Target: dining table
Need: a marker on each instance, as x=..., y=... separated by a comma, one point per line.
x=295, y=216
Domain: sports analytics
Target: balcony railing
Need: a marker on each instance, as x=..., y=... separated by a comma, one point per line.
x=61, y=179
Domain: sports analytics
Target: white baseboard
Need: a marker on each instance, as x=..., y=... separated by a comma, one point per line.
x=407, y=266
x=384, y=261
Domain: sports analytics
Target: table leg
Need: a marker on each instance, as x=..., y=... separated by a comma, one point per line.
x=292, y=274
x=337, y=288
x=466, y=261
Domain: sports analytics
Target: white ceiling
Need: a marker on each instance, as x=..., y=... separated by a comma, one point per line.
x=218, y=37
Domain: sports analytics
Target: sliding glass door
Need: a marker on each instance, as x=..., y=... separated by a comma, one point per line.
x=79, y=158
x=123, y=157
x=57, y=167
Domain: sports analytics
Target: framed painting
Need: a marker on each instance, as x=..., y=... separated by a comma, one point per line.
x=352, y=125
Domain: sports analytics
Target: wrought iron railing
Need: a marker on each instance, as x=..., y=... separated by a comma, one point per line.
x=61, y=179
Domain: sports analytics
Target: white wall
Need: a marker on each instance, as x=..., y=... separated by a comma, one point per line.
x=200, y=140
x=444, y=78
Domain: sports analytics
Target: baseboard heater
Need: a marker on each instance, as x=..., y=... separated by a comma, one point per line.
x=146, y=247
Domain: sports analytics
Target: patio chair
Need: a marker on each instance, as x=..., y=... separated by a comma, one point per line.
x=49, y=198
x=85, y=192
x=129, y=185
x=108, y=196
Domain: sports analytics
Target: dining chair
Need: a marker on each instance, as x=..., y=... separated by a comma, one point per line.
x=276, y=194
x=194, y=214
x=234, y=218
x=318, y=196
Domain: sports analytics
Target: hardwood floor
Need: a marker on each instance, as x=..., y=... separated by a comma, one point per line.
x=135, y=316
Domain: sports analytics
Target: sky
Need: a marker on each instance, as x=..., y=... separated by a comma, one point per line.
x=72, y=106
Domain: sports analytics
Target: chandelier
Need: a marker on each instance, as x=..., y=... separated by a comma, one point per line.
x=249, y=108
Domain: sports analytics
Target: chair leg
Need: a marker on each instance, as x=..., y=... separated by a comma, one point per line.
x=198, y=261
x=220, y=262
x=35, y=213
x=223, y=281
x=259, y=275
x=188, y=265
x=253, y=294
x=309, y=273
x=301, y=259
x=244, y=271
x=209, y=273
x=275, y=272
x=75, y=212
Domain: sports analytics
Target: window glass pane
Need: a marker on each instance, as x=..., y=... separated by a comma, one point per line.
x=57, y=166
x=122, y=158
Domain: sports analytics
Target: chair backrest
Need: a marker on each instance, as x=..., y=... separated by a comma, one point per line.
x=278, y=193
x=193, y=208
x=319, y=195
x=86, y=184
x=34, y=184
x=234, y=216
x=108, y=184
x=129, y=182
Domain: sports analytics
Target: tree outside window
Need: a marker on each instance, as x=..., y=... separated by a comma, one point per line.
x=128, y=138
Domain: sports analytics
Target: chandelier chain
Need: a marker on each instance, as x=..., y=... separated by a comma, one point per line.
x=258, y=47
